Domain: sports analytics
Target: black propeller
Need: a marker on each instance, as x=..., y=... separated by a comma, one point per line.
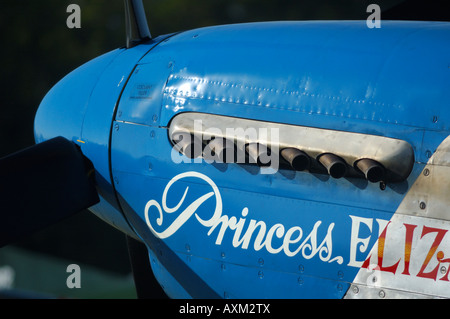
x=41, y=186
x=147, y=287
x=136, y=23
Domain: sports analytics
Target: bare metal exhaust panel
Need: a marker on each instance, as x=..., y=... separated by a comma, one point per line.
x=376, y=158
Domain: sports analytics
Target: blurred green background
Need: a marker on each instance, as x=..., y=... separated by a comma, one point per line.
x=38, y=50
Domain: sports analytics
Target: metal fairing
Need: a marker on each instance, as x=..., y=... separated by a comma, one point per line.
x=239, y=233
x=232, y=230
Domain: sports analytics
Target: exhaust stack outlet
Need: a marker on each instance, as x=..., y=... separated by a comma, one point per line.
x=335, y=166
x=298, y=160
x=372, y=170
x=188, y=144
x=258, y=154
x=220, y=150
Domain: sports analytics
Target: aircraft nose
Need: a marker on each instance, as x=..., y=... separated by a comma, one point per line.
x=61, y=112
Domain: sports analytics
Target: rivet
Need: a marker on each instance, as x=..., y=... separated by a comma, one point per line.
x=426, y=172
x=382, y=186
x=340, y=274
x=382, y=294
x=170, y=64
x=435, y=119
x=223, y=267
x=261, y=261
x=443, y=270
x=260, y=274
x=155, y=118
x=422, y=205
x=152, y=134
x=188, y=248
x=340, y=287
x=428, y=154
x=355, y=290
x=116, y=127
x=300, y=281
x=301, y=268
x=222, y=254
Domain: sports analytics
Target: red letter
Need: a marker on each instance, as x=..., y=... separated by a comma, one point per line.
x=440, y=235
x=440, y=257
x=408, y=244
x=381, y=241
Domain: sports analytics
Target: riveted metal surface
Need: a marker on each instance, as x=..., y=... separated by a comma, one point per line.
x=411, y=255
x=395, y=155
x=273, y=73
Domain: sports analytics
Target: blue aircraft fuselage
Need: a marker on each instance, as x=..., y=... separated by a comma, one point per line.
x=231, y=231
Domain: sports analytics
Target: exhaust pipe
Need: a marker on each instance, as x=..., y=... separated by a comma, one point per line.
x=258, y=154
x=335, y=165
x=220, y=150
x=188, y=144
x=372, y=170
x=298, y=160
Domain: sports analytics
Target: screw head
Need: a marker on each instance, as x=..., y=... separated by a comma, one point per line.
x=422, y=205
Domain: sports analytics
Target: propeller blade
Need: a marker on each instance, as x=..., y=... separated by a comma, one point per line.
x=147, y=287
x=136, y=23
x=42, y=185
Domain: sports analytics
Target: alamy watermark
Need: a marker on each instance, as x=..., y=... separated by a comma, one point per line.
x=7, y=275
x=374, y=19
x=74, y=19
x=74, y=279
x=259, y=146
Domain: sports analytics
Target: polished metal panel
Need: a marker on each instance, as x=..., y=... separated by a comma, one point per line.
x=409, y=259
x=395, y=156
